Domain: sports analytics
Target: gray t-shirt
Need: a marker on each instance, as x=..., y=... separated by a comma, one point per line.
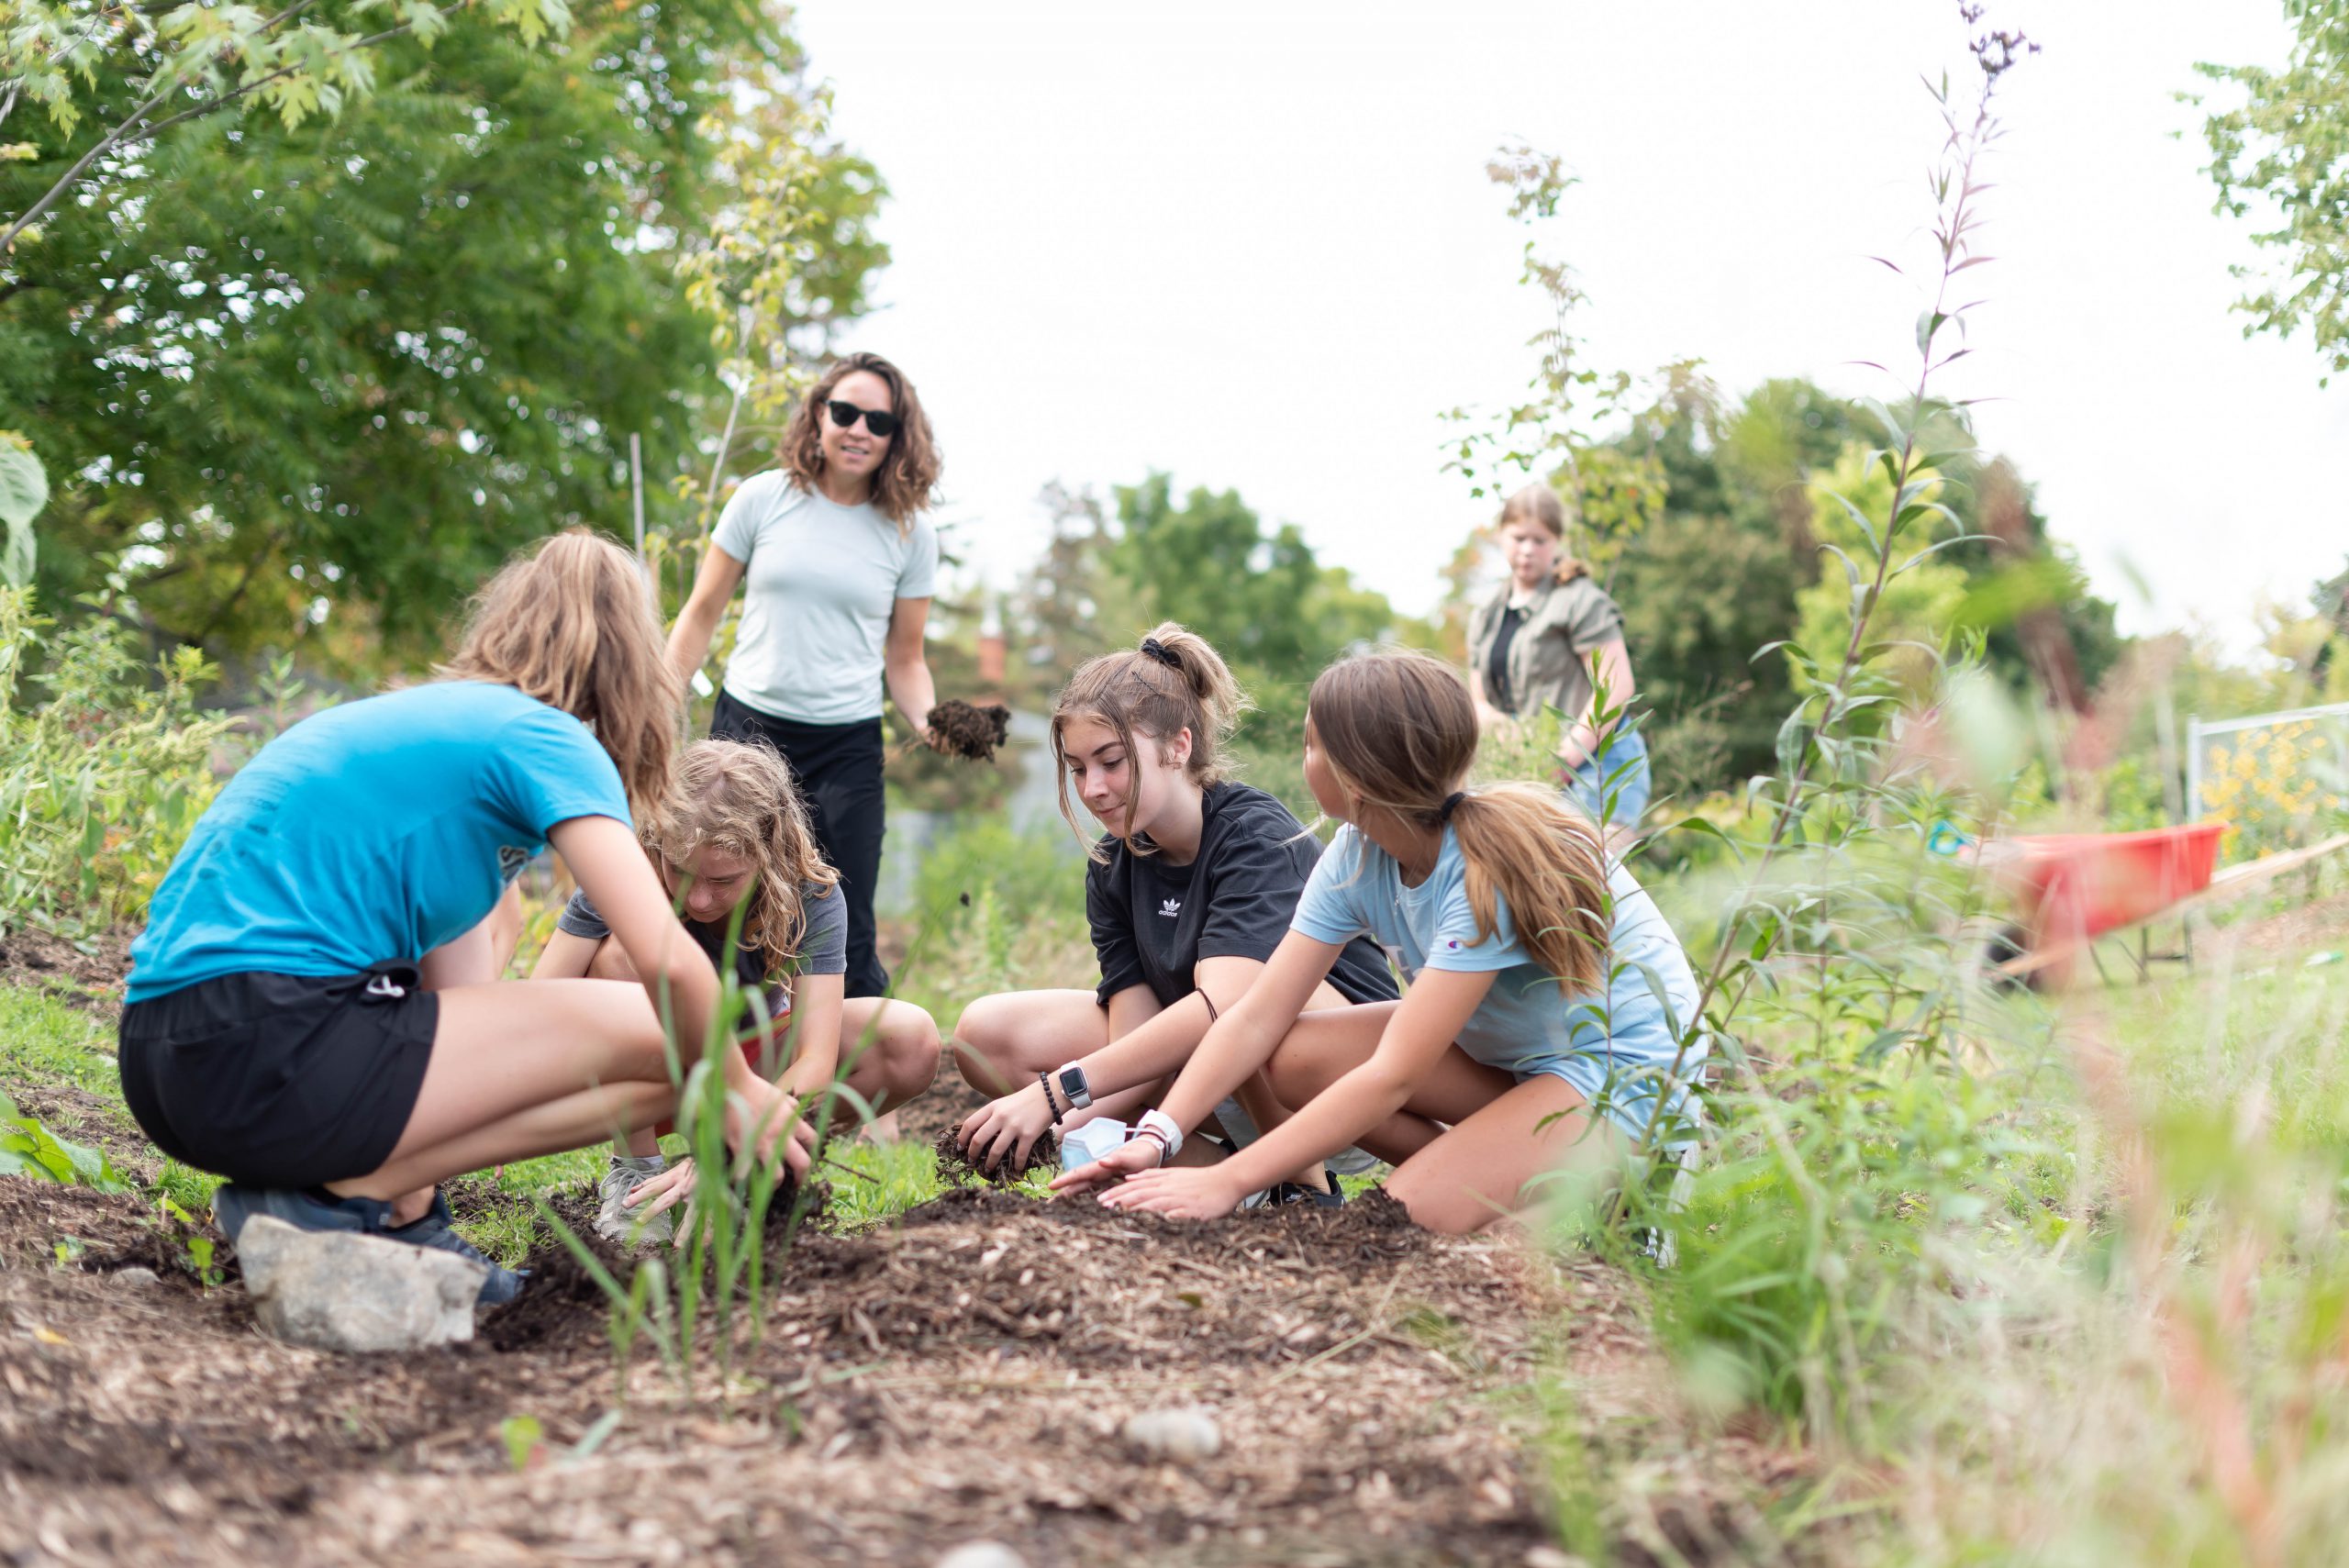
x=820, y=583
x=823, y=947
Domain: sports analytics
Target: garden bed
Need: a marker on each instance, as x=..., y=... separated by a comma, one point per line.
x=960, y=1374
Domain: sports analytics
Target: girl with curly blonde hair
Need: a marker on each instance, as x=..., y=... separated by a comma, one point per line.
x=732, y=843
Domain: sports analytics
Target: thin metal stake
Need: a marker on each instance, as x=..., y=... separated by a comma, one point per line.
x=636, y=484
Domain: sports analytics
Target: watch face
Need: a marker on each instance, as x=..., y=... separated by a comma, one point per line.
x=1072, y=1085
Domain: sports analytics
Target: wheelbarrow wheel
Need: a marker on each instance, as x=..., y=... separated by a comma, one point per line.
x=2007, y=943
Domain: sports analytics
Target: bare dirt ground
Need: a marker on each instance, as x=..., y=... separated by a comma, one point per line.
x=88, y=975
x=961, y=1376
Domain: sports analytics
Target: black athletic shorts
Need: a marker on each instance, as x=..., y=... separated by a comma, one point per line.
x=281, y=1080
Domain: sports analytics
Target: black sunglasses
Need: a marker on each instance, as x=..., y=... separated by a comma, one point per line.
x=880, y=421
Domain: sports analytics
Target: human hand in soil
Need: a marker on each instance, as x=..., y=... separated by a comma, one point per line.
x=1007, y=1129
x=1128, y=1159
x=656, y=1193
x=774, y=1125
x=671, y=1188
x=1185, y=1191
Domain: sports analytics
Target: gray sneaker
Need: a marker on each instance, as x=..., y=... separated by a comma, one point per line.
x=615, y=1221
x=316, y=1209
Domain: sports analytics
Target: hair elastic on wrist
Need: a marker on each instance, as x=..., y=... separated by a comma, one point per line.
x=1212, y=1014
x=1152, y=648
x=1451, y=804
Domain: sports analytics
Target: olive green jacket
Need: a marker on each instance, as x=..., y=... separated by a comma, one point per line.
x=1549, y=659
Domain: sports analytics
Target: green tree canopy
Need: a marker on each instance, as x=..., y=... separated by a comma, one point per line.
x=2285, y=150
x=337, y=372
x=1729, y=560
x=1275, y=613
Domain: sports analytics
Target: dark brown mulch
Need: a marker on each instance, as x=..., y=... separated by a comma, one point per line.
x=564, y=1298
x=87, y=973
x=953, y=1164
x=971, y=732
x=1361, y=1371
x=947, y=1103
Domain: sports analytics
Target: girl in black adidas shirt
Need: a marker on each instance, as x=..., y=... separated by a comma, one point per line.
x=1188, y=892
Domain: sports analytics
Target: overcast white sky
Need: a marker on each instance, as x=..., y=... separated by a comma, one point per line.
x=1253, y=245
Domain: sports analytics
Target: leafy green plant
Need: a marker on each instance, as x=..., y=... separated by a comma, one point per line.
x=523, y=1438
x=1840, y=998
x=100, y=784
x=200, y=1250
x=30, y=1149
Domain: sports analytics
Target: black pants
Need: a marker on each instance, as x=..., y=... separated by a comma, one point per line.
x=838, y=770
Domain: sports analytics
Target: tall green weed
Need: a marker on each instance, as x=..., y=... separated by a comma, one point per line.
x=100, y=783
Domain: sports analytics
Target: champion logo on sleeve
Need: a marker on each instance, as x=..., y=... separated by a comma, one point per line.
x=1452, y=944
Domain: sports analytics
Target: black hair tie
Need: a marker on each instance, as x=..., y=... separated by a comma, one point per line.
x=1450, y=803
x=1160, y=652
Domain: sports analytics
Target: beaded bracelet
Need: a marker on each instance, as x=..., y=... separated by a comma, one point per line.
x=1044, y=1081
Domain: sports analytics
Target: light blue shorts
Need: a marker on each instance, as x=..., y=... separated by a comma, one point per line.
x=1623, y=1094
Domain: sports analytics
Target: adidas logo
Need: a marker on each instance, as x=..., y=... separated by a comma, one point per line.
x=1170, y=907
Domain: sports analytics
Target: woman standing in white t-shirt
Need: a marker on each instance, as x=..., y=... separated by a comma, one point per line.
x=840, y=567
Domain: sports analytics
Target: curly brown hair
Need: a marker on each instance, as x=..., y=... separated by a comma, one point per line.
x=907, y=479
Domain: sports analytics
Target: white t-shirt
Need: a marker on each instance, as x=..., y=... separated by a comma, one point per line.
x=819, y=582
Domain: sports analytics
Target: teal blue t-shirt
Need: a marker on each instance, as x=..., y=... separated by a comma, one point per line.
x=1616, y=1047
x=372, y=831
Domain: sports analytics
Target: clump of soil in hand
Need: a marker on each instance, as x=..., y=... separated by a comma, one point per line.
x=953, y=1164
x=971, y=732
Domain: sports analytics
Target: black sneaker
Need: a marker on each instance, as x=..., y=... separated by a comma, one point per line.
x=1298, y=1191
x=437, y=1230
x=315, y=1209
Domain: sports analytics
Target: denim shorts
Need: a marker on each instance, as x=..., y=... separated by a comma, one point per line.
x=1627, y=1101
x=1614, y=786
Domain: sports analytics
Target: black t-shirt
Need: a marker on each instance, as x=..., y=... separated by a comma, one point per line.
x=1497, y=690
x=1152, y=922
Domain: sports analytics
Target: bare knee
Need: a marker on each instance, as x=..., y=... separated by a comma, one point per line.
x=1441, y=1202
x=907, y=1046
x=611, y=963
x=985, y=1043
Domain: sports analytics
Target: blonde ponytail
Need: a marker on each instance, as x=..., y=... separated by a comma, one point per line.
x=1398, y=730
x=1526, y=847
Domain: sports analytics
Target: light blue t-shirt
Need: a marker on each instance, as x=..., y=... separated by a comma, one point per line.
x=372, y=832
x=1618, y=1045
x=820, y=583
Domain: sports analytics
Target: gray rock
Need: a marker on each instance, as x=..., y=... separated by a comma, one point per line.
x=136, y=1277
x=983, y=1554
x=334, y=1290
x=1184, y=1433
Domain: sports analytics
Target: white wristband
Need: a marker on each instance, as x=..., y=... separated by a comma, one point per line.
x=1160, y=1124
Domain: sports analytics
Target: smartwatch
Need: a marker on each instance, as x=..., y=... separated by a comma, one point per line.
x=1070, y=1082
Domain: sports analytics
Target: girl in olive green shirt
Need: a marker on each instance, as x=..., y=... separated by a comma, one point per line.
x=1534, y=645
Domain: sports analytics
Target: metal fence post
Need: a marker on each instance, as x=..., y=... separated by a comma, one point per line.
x=2194, y=767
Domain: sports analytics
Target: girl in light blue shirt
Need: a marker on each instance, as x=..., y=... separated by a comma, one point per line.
x=1550, y=1013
